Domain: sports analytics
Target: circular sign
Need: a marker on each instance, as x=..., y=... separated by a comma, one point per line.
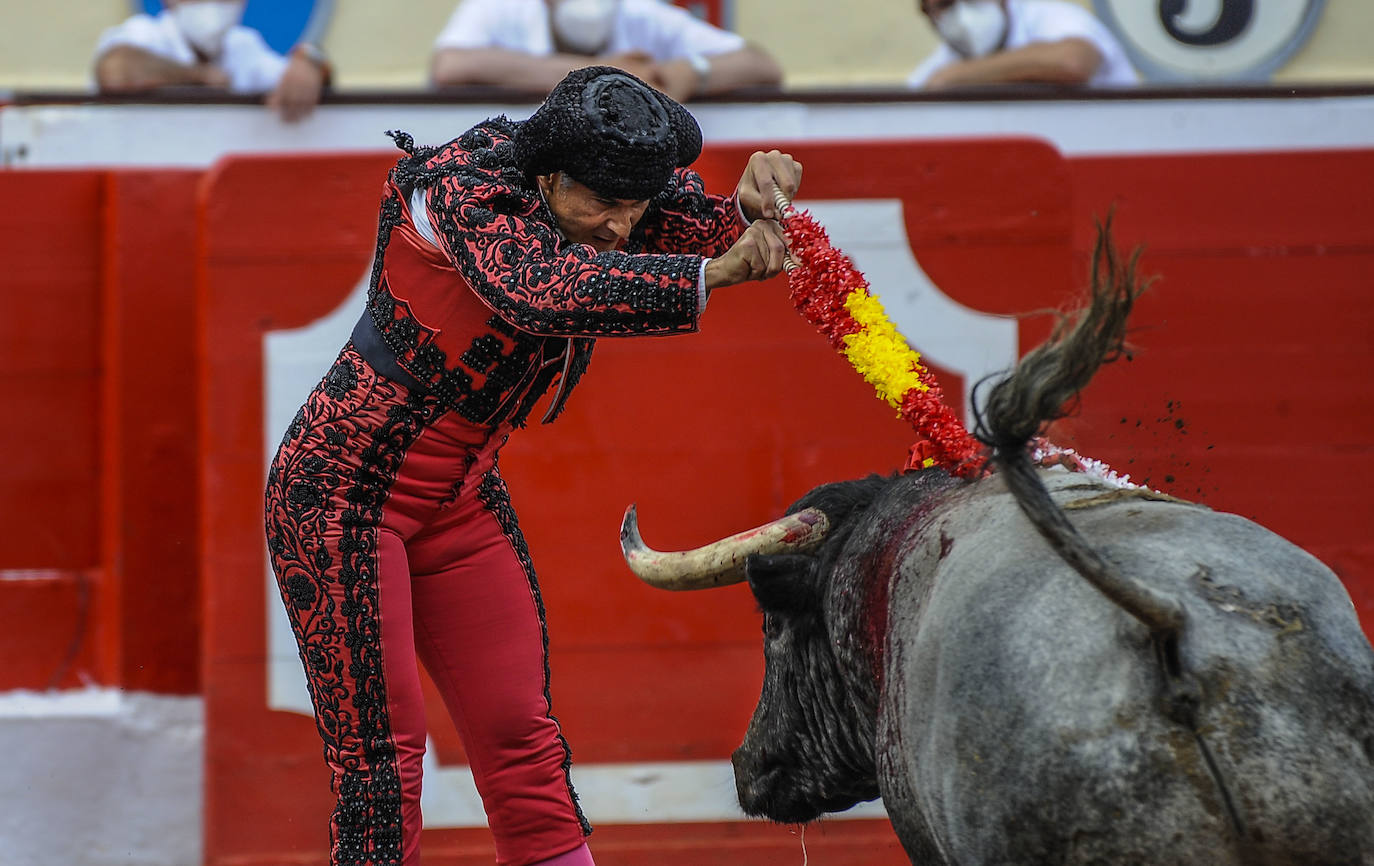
x=1210, y=40
x=283, y=23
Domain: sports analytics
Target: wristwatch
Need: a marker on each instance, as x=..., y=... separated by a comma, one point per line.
x=701, y=64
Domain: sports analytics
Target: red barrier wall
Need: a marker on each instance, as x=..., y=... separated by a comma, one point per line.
x=97, y=370
x=49, y=367
x=49, y=234
x=150, y=500
x=1249, y=391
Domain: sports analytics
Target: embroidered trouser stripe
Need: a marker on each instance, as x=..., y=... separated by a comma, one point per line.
x=493, y=494
x=479, y=630
x=330, y=582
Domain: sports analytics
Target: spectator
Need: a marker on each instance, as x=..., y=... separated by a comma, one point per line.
x=531, y=44
x=201, y=43
x=1014, y=41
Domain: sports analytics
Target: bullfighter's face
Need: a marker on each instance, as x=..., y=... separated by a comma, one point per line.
x=587, y=217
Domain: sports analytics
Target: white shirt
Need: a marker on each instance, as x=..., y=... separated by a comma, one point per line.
x=1031, y=21
x=663, y=31
x=252, y=66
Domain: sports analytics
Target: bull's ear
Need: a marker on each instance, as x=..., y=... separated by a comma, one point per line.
x=784, y=582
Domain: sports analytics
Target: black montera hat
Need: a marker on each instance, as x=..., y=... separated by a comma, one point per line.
x=609, y=131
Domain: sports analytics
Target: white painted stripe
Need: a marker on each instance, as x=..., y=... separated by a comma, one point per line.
x=179, y=715
x=68, y=704
x=197, y=135
x=42, y=574
x=639, y=793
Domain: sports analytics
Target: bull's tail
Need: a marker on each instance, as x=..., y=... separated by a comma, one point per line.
x=1041, y=389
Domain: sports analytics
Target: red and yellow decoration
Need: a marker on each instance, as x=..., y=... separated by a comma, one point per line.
x=831, y=294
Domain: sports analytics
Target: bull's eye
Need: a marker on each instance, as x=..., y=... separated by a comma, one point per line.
x=783, y=582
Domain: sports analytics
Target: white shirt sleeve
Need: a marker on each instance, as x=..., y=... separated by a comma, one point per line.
x=156, y=36
x=467, y=27
x=1053, y=20
x=419, y=215
x=941, y=57
x=252, y=65
x=515, y=25
x=669, y=32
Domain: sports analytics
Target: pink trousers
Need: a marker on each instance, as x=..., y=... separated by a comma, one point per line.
x=394, y=541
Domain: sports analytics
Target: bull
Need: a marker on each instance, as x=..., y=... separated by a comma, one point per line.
x=1040, y=666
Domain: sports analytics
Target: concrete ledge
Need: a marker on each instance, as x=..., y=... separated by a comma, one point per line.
x=99, y=777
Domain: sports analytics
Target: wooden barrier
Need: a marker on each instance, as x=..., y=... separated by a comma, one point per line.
x=126, y=509
x=98, y=499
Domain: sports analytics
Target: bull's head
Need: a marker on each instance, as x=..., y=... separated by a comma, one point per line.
x=809, y=747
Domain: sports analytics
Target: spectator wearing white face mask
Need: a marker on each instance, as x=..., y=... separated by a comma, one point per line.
x=200, y=43
x=532, y=44
x=1019, y=41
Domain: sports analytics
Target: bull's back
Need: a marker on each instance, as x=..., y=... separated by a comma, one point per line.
x=1033, y=710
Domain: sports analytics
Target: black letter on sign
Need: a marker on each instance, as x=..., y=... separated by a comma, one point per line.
x=1191, y=26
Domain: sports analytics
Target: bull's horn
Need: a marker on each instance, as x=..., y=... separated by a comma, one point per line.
x=719, y=563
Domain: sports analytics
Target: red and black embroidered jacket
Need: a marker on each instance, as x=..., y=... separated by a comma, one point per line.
x=505, y=308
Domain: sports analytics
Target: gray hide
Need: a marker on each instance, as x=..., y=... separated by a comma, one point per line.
x=1022, y=719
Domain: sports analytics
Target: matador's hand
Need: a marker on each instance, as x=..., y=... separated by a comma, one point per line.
x=757, y=255
x=756, y=184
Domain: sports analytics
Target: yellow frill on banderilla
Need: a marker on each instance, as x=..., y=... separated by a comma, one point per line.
x=878, y=352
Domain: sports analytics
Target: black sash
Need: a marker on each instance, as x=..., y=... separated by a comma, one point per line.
x=369, y=343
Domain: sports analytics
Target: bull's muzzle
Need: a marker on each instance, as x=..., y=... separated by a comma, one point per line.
x=719, y=563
